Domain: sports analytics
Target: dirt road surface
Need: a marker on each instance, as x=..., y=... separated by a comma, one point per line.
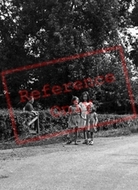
x=110, y=164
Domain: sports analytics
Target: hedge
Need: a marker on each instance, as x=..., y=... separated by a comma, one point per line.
x=49, y=124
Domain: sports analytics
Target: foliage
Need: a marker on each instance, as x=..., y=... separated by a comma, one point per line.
x=134, y=51
x=36, y=31
x=49, y=124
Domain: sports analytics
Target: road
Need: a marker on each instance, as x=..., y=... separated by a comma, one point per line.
x=110, y=164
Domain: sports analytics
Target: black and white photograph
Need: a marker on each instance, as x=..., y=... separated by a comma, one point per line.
x=69, y=94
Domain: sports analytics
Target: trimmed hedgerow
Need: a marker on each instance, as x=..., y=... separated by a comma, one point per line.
x=49, y=124
x=121, y=122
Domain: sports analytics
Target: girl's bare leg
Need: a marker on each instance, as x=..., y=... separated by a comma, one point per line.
x=84, y=133
x=76, y=134
x=70, y=137
x=88, y=136
x=92, y=135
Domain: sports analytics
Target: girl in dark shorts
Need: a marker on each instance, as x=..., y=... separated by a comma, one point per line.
x=91, y=123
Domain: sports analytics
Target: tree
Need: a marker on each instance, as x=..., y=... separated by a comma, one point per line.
x=43, y=30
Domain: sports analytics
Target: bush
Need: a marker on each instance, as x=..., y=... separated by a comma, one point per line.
x=131, y=125
x=49, y=124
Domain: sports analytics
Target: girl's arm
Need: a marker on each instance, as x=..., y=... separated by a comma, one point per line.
x=87, y=120
x=81, y=114
x=95, y=122
x=96, y=118
x=83, y=117
x=69, y=116
x=69, y=111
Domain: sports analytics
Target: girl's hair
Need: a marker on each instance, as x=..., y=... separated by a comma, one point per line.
x=85, y=93
x=92, y=107
x=74, y=98
x=31, y=99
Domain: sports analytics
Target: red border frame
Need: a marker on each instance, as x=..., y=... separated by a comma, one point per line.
x=42, y=64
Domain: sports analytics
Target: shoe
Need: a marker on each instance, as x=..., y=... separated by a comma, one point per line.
x=90, y=142
x=69, y=142
x=85, y=141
